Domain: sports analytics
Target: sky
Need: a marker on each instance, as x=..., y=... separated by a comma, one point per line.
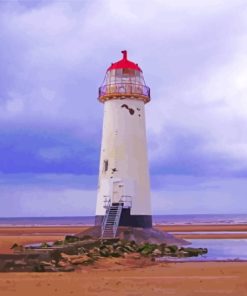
x=53, y=57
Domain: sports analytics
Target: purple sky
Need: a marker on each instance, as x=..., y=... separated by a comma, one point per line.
x=53, y=57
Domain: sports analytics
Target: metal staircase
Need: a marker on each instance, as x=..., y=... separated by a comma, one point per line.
x=111, y=220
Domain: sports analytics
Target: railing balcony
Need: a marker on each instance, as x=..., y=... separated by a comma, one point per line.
x=110, y=91
x=125, y=200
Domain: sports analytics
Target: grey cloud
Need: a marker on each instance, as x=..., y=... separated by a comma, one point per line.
x=54, y=55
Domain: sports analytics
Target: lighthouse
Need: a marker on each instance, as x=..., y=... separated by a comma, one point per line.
x=123, y=197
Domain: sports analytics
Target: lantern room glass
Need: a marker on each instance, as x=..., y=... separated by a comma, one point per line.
x=124, y=76
x=124, y=81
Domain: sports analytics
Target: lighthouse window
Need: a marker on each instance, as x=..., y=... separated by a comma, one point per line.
x=118, y=72
x=128, y=72
x=105, y=165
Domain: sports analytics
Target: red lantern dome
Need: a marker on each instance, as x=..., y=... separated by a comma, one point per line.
x=124, y=63
x=124, y=79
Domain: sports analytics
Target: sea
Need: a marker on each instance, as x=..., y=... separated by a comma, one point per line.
x=157, y=219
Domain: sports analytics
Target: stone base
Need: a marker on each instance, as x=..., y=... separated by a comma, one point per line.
x=139, y=235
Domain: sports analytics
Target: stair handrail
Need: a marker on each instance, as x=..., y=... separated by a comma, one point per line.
x=106, y=201
x=107, y=206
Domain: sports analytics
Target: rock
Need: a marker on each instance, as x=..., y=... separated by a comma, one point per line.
x=120, y=249
x=156, y=252
x=104, y=253
x=82, y=260
x=69, y=258
x=94, y=253
x=81, y=250
x=50, y=269
x=20, y=263
x=71, y=238
x=65, y=256
x=86, y=237
x=45, y=263
x=17, y=248
x=166, y=251
x=173, y=248
x=132, y=255
x=62, y=263
x=14, y=246
x=55, y=255
x=38, y=268
x=129, y=248
x=183, y=254
x=58, y=243
x=116, y=254
x=67, y=268
x=193, y=251
x=45, y=245
x=147, y=249
x=110, y=249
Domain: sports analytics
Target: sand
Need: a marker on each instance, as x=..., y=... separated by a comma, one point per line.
x=123, y=277
x=180, y=279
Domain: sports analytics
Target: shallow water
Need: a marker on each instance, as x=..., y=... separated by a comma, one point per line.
x=218, y=250
x=208, y=232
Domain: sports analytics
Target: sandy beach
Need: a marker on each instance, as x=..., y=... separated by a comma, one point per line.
x=181, y=279
x=136, y=277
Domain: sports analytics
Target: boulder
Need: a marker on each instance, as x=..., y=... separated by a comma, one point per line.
x=132, y=255
x=71, y=239
x=193, y=251
x=147, y=249
x=86, y=237
x=58, y=243
x=21, y=262
x=82, y=260
x=50, y=269
x=67, y=268
x=45, y=263
x=45, y=245
x=156, y=252
x=173, y=248
x=62, y=263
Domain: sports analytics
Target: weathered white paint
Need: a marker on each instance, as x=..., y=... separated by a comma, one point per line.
x=124, y=147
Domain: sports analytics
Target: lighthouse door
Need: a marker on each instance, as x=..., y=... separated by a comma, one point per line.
x=117, y=190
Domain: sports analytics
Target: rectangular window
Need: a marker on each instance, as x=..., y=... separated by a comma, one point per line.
x=105, y=165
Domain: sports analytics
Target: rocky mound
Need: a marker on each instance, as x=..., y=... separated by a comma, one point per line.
x=73, y=252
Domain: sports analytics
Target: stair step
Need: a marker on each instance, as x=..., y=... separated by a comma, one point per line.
x=111, y=221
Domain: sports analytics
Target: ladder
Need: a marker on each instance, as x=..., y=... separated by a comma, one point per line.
x=111, y=220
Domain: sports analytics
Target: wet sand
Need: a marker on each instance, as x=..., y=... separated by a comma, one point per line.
x=26, y=235
x=122, y=277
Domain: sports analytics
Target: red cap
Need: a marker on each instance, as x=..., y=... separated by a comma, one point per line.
x=124, y=63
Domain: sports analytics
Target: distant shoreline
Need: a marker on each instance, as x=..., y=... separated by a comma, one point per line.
x=158, y=220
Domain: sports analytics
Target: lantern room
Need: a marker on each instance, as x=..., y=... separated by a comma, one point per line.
x=124, y=79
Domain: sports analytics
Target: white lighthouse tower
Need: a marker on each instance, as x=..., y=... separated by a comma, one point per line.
x=124, y=188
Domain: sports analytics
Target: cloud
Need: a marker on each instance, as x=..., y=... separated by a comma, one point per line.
x=70, y=195
x=54, y=55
